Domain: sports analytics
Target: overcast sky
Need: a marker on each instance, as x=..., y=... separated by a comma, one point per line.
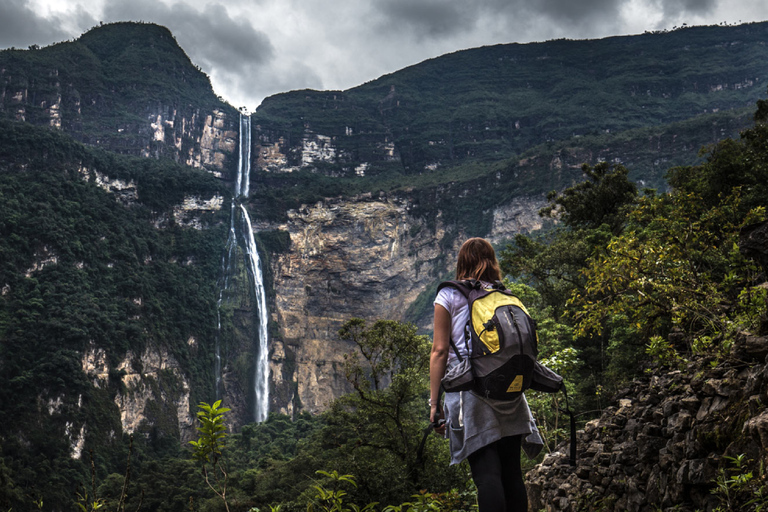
x=254, y=48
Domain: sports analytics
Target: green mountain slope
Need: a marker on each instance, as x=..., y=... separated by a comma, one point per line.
x=492, y=103
x=87, y=271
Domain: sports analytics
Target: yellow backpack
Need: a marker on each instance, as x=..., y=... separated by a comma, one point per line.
x=502, y=344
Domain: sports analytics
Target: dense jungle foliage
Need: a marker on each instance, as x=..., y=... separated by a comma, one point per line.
x=652, y=275
x=82, y=271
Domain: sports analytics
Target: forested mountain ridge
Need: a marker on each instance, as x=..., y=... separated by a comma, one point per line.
x=493, y=103
x=111, y=263
x=130, y=88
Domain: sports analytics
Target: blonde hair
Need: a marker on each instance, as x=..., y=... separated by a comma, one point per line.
x=477, y=260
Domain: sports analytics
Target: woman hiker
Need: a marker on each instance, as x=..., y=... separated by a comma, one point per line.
x=488, y=433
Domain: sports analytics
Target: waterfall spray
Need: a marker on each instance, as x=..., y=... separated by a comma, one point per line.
x=227, y=270
x=244, y=163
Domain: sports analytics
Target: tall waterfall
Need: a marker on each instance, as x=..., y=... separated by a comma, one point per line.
x=243, y=231
x=261, y=373
x=244, y=163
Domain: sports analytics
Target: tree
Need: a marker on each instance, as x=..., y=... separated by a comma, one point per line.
x=388, y=373
x=385, y=350
x=372, y=433
x=587, y=216
x=590, y=212
x=732, y=163
x=376, y=429
x=602, y=198
x=208, y=447
x=676, y=266
x=552, y=262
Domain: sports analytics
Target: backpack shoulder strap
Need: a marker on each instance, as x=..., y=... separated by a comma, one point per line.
x=464, y=286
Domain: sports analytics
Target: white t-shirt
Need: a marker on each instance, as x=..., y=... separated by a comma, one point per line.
x=473, y=421
x=455, y=303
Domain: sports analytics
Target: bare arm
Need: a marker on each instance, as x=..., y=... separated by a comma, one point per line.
x=438, y=358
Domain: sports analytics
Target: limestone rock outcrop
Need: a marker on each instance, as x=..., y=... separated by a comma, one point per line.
x=188, y=135
x=154, y=377
x=339, y=153
x=364, y=259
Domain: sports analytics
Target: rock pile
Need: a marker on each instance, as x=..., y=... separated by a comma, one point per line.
x=665, y=444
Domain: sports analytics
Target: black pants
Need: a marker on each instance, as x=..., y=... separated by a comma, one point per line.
x=498, y=477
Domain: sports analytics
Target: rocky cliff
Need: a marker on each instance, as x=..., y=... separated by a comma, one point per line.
x=668, y=440
x=204, y=139
x=370, y=257
x=126, y=87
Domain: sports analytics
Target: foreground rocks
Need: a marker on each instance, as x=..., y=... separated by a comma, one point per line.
x=665, y=442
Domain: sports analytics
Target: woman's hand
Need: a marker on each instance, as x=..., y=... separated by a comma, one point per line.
x=436, y=417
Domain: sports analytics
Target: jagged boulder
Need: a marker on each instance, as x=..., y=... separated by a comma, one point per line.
x=664, y=443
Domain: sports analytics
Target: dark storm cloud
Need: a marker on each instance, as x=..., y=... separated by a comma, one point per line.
x=208, y=36
x=446, y=18
x=678, y=7
x=254, y=48
x=430, y=17
x=576, y=11
x=20, y=26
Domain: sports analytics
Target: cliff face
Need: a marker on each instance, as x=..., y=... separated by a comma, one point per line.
x=154, y=390
x=365, y=259
x=341, y=144
x=203, y=139
x=198, y=139
x=369, y=257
